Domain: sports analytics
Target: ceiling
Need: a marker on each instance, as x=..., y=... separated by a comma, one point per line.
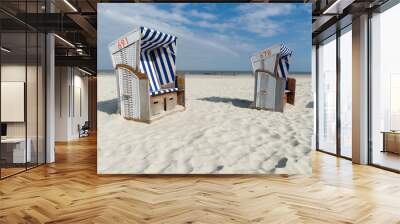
x=74, y=22
x=331, y=15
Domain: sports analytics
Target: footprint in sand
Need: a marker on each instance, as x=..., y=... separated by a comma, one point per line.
x=294, y=143
x=276, y=136
x=281, y=163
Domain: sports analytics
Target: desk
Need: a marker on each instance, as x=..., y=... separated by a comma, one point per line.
x=13, y=150
x=391, y=141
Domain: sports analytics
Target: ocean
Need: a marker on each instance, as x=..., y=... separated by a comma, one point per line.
x=205, y=72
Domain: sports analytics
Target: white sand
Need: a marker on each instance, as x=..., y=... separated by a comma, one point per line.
x=216, y=134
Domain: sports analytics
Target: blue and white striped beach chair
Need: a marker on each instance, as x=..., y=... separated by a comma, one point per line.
x=145, y=61
x=273, y=87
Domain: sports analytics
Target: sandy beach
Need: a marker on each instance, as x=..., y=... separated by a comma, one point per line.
x=217, y=133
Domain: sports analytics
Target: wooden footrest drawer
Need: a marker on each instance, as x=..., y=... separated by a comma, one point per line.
x=170, y=101
x=156, y=105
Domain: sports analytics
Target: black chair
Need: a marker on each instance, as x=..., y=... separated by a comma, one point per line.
x=84, y=130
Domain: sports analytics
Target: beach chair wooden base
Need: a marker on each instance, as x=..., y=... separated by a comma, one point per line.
x=164, y=114
x=180, y=83
x=160, y=106
x=253, y=106
x=157, y=105
x=288, y=97
x=291, y=93
x=181, y=97
x=170, y=100
x=159, y=116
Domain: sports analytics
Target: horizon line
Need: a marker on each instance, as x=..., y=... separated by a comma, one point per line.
x=245, y=71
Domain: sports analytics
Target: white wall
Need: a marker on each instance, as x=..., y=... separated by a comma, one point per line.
x=13, y=101
x=13, y=72
x=62, y=82
x=79, y=117
x=70, y=83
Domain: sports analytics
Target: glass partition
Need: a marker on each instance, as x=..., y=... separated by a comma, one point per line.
x=22, y=77
x=13, y=94
x=327, y=95
x=346, y=92
x=385, y=89
x=41, y=97
x=31, y=99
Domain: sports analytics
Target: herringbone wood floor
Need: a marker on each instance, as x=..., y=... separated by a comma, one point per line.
x=70, y=191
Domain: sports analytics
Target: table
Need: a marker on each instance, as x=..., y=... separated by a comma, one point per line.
x=13, y=150
x=391, y=141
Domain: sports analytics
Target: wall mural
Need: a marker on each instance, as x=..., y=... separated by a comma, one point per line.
x=204, y=89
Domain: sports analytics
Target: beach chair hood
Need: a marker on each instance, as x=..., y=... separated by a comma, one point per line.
x=265, y=59
x=285, y=55
x=157, y=57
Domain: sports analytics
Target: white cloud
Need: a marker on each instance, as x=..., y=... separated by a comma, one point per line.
x=202, y=15
x=149, y=16
x=265, y=10
x=265, y=20
x=216, y=26
x=203, y=37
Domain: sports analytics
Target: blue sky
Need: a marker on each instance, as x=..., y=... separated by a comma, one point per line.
x=212, y=36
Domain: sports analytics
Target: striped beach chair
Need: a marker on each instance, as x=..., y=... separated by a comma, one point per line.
x=148, y=85
x=273, y=87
